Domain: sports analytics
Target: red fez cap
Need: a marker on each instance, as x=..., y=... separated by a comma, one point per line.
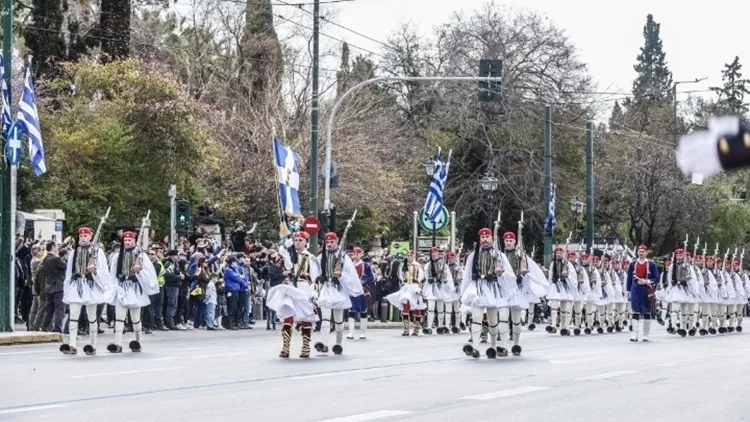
x=607, y=258
x=559, y=249
x=678, y=251
x=688, y=254
x=128, y=235
x=718, y=259
x=585, y=255
x=571, y=253
x=301, y=235
x=434, y=249
x=708, y=258
x=509, y=235
x=615, y=261
x=451, y=254
x=85, y=230
x=485, y=232
x=597, y=259
x=736, y=262
x=357, y=249
x=698, y=256
x=331, y=236
x=411, y=252
x=642, y=248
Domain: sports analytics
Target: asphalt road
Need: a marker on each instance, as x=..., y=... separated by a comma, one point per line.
x=229, y=376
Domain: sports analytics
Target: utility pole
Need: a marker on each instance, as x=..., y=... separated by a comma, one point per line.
x=547, y=179
x=313, y=244
x=7, y=240
x=590, y=184
x=173, y=216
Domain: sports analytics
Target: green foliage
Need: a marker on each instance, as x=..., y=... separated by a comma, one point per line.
x=654, y=80
x=119, y=139
x=732, y=92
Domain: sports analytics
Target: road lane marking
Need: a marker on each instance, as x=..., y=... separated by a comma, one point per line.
x=332, y=374
x=679, y=363
x=31, y=408
x=370, y=416
x=505, y=393
x=139, y=371
x=562, y=362
x=606, y=375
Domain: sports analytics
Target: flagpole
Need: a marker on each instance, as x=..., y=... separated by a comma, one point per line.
x=7, y=293
x=278, y=191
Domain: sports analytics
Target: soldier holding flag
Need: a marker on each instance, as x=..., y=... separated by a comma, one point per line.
x=643, y=275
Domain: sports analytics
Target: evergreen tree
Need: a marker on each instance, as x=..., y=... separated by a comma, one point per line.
x=342, y=76
x=260, y=53
x=45, y=35
x=114, y=27
x=732, y=92
x=653, y=85
x=617, y=117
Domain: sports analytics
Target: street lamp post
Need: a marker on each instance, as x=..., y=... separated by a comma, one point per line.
x=576, y=207
x=429, y=167
x=674, y=99
x=489, y=184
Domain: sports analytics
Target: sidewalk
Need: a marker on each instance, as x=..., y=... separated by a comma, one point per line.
x=27, y=337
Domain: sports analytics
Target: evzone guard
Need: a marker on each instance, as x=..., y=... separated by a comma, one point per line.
x=708, y=292
x=87, y=283
x=135, y=280
x=530, y=284
x=487, y=283
x=337, y=283
x=741, y=294
x=360, y=303
x=563, y=280
x=408, y=299
x=622, y=306
x=292, y=300
x=680, y=297
x=600, y=297
x=436, y=289
x=642, y=278
x=453, y=300
x=608, y=290
x=582, y=291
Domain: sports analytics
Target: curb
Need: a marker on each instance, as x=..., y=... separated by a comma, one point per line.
x=28, y=337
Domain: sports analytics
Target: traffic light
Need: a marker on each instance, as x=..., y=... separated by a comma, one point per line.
x=490, y=91
x=182, y=214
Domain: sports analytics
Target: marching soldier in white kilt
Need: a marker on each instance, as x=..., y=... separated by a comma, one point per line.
x=453, y=300
x=563, y=280
x=486, y=286
x=436, y=289
x=408, y=299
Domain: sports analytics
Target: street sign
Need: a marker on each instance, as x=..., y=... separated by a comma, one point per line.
x=399, y=247
x=311, y=225
x=424, y=243
x=440, y=224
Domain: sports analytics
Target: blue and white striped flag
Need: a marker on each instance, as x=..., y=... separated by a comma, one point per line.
x=287, y=169
x=28, y=115
x=434, y=204
x=550, y=223
x=7, y=120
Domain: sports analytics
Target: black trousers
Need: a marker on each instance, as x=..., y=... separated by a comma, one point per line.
x=233, y=310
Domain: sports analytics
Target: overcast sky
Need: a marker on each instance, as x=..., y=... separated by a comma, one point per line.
x=698, y=39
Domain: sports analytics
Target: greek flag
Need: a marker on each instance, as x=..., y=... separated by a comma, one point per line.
x=287, y=169
x=7, y=121
x=434, y=204
x=28, y=118
x=550, y=223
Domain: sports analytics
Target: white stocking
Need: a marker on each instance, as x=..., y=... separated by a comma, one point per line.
x=325, y=324
x=601, y=315
x=430, y=312
x=731, y=314
x=674, y=314
x=120, y=313
x=497, y=319
x=338, y=320
x=684, y=314
x=93, y=324
x=440, y=309
x=351, y=327
x=516, y=317
x=566, y=307
x=135, y=318
x=705, y=314
x=740, y=314
x=722, y=314
x=363, y=325
x=554, y=307
x=75, y=313
x=477, y=314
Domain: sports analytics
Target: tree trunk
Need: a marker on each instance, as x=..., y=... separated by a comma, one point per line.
x=114, y=25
